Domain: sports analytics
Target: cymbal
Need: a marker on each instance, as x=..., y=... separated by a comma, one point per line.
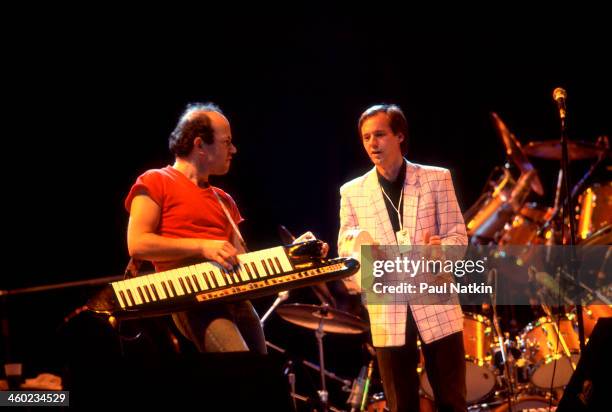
x=514, y=151
x=551, y=149
x=334, y=320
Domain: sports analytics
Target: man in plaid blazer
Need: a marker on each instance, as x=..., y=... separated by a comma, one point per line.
x=406, y=203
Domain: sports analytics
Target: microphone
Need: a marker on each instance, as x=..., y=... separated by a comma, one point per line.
x=357, y=390
x=560, y=96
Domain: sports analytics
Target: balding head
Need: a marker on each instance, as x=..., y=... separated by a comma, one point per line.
x=198, y=120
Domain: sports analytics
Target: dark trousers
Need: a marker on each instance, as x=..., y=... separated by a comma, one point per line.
x=445, y=366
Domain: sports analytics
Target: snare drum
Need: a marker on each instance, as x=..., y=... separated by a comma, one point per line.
x=547, y=354
x=595, y=207
x=479, y=376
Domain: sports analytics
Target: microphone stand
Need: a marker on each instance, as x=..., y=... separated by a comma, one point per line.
x=572, y=229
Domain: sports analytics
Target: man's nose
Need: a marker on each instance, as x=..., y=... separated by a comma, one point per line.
x=233, y=148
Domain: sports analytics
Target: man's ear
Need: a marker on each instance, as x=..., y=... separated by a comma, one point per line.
x=400, y=136
x=198, y=143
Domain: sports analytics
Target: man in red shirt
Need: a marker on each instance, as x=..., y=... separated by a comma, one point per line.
x=177, y=217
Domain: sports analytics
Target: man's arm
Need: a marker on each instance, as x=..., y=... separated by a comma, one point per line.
x=450, y=220
x=349, y=224
x=348, y=219
x=145, y=244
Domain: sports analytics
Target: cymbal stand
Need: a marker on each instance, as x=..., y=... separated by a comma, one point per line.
x=502, y=345
x=323, y=394
x=291, y=378
x=345, y=382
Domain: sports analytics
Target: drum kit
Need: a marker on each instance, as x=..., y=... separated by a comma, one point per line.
x=323, y=319
x=532, y=361
x=534, y=366
x=503, y=216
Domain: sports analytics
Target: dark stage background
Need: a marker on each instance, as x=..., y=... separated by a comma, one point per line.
x=93, y=105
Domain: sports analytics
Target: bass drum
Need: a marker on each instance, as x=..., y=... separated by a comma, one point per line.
x=480, y=378
x=378, y=403
x=522, y=403
x=546, y=353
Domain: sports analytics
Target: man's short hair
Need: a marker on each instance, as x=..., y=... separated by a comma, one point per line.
x=397, y=120
x=194, y=122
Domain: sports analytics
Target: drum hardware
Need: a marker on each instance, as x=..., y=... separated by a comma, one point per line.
x=557, y=208
x=291, y=376
x=322, y=319
x=345, y=382
x=516, y=154
x=323, y=394
x=505, y=359
x=535, y=362
x=485, y=220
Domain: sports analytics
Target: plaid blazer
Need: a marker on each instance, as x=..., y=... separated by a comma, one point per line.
x=429, y=205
